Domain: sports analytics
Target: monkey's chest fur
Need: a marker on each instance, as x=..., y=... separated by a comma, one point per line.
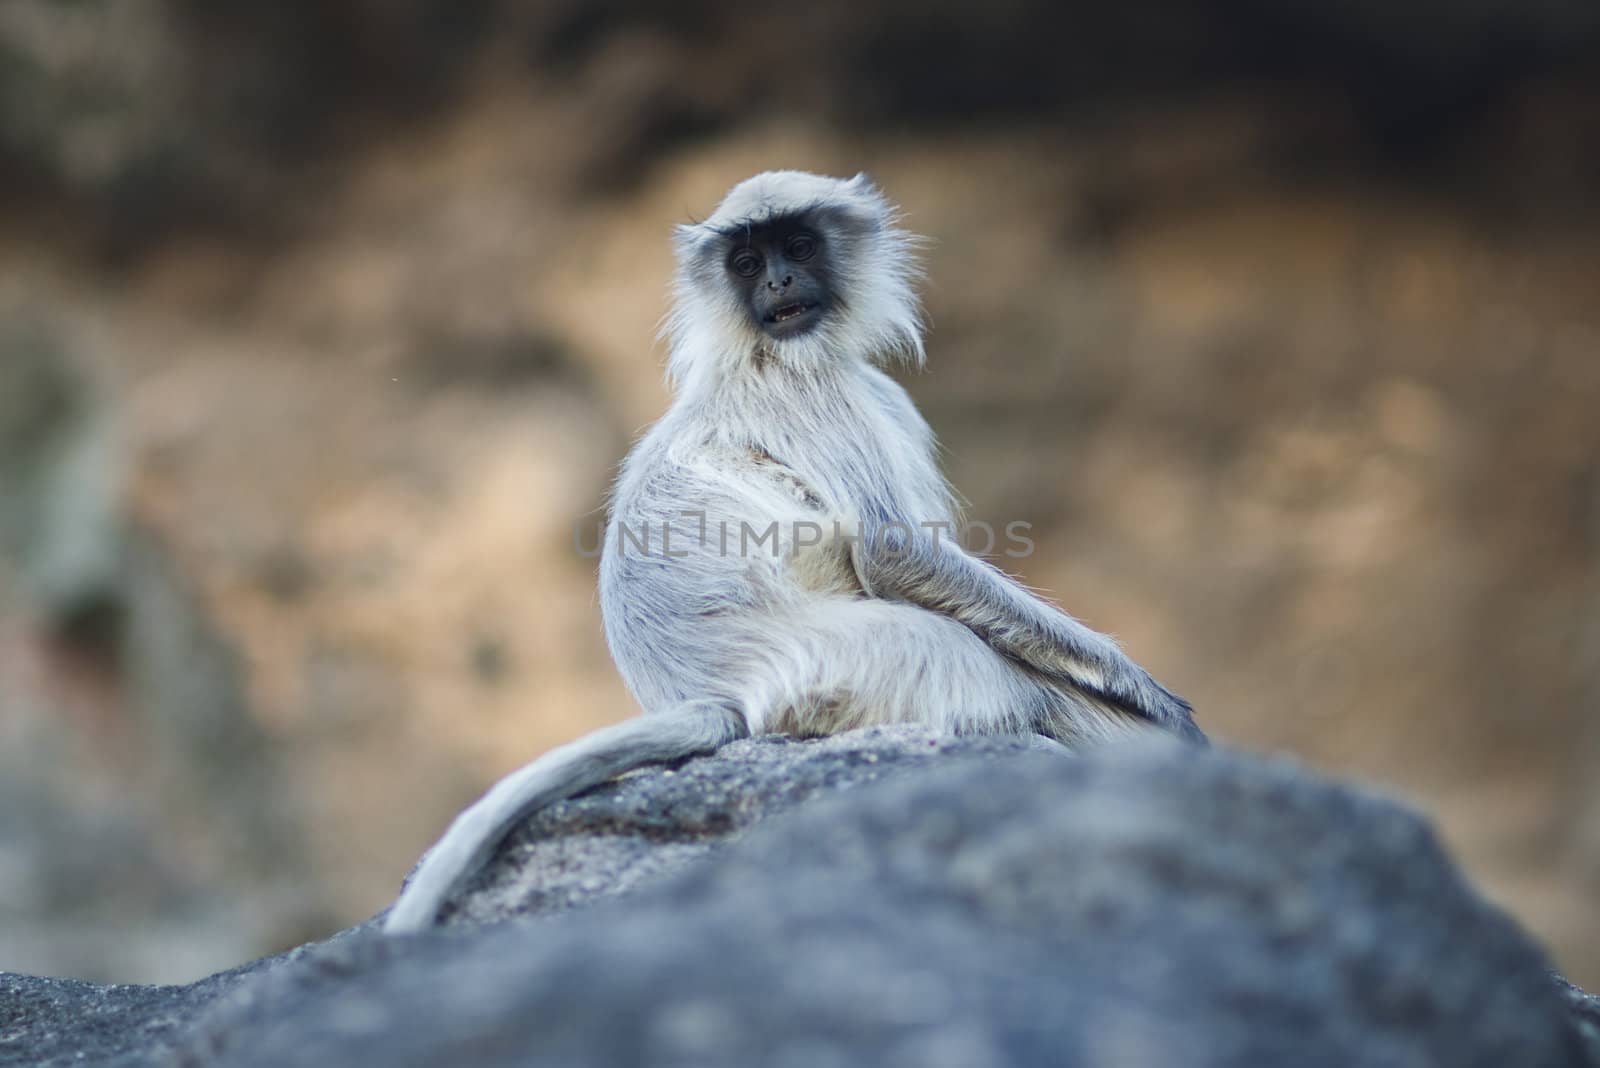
x=762, y=491
x=817, y=559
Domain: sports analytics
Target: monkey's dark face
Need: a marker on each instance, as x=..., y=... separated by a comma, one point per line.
x=783, y=271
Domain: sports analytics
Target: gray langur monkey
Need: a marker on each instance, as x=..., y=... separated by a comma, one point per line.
x=772, y=558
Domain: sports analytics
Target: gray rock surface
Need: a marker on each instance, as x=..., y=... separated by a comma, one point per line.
x=63, y=1021
x=1585, y=1010
x=658, y=821
x=927, y=902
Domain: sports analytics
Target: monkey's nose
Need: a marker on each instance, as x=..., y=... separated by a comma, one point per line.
x=778, y=287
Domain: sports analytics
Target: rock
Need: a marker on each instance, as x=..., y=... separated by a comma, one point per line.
x=47, y=1022
x=656, y=822
x=55, y=1022
x=889, y=897
x=156, y=114
x=1585, y=1010
x=60, y=529
x=129, y=756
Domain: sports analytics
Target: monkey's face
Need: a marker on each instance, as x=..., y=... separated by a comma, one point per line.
x=782, y=271
x=801, y=269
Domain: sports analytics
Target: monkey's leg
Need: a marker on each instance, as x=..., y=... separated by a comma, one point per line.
x=838, y=663
x=943, y=577
x=694, y=727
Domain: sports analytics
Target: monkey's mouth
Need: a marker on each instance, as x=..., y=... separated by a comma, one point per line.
x=789, y=311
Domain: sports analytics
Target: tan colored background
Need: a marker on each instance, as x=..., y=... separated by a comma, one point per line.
x=321, y=333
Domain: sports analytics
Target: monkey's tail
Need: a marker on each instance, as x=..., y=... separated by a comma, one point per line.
x=683, y=730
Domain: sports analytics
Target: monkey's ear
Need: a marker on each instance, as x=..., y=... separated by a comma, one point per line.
x=686, y=238
x=863, y=182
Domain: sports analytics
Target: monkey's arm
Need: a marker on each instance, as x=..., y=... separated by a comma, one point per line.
x=693, y=727
x=942, y=577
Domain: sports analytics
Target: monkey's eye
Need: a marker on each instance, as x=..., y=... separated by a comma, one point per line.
x=801, y=247
x=745, y=263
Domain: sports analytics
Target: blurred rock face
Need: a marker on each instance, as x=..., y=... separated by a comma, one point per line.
x=892, y=897
x=1277, y=326
x=134, y=779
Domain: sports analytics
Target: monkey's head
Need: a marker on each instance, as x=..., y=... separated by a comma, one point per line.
x=798, y=268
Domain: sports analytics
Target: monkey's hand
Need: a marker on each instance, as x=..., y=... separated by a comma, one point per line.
x=902, y=564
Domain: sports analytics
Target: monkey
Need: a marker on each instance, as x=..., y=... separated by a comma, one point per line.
x=773, y=559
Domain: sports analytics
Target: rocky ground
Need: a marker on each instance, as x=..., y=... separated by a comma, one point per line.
x=890, y=897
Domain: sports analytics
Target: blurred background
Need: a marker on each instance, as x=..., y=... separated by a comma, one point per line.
x=323, y=326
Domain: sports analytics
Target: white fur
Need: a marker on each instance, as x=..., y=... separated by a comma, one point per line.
x=715, y=638
x=795, y=641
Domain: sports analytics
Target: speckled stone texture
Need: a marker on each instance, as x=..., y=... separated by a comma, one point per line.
x=659, y=820
x=891, y=898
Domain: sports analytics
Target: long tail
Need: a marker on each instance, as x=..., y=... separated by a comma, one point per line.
x=690, y=728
